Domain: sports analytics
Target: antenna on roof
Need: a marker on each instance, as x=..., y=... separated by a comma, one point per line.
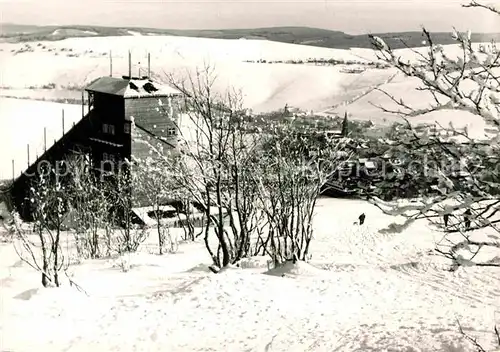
x=110, y=64
x=129, y=64
x=149, y=65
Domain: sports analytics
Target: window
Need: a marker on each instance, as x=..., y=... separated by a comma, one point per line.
x=108, y=160
x=126, y=128
x=108, y=157
x=106, y=128
x=171, y=131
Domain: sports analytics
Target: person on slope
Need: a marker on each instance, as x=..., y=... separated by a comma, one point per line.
x=446, y=218
x=362, y=219
x=467, y=219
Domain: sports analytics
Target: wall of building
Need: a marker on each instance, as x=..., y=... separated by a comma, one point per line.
x=111, y=106
x=123, y=142
x=154, y=123
x=109, y=126
x=153, y=127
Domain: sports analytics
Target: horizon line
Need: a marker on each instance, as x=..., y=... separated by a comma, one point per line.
x=230, y=28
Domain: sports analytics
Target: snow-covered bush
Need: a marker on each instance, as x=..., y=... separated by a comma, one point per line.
x=465, y=196
x=89, y=211
x=245, y=187
x=48, y=200
x=293, y=165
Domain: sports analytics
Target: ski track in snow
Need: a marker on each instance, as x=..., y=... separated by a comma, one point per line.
x=378, y=292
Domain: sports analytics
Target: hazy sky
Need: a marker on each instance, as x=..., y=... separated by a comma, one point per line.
x=352, y=16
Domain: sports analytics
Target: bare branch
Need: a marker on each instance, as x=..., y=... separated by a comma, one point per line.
x=469, y=338
x=491, y=8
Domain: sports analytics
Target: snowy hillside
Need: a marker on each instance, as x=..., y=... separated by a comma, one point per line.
x=73, y=63
x=63, y=68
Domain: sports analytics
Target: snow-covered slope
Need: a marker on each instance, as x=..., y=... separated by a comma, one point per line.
x=362, y=291
x=22, y=123
x=75, y=62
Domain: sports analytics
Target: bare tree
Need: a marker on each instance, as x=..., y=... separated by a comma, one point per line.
x=295, y=163
x=185, y=214
x=215, y=144
x=121, y=183
x=90, y=207
x=155, y=185
x=48, y=201
x=461, y=171
x=227, y=166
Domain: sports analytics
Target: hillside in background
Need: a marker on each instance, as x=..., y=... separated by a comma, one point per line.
x=296, y=35
x=341, y=81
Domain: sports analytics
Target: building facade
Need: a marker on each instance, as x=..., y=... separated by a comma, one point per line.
x=127, y=116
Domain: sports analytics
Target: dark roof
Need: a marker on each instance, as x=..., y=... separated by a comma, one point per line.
x=131, y=87
x=109, y=85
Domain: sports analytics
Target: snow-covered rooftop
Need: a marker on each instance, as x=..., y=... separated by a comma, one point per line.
x=131, y=87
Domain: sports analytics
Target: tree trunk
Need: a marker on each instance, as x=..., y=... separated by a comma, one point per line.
x=188, y=226
x=45, y=278
x=45, y=261
x=226, y=255
x=158, y=228
x=55, y=251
